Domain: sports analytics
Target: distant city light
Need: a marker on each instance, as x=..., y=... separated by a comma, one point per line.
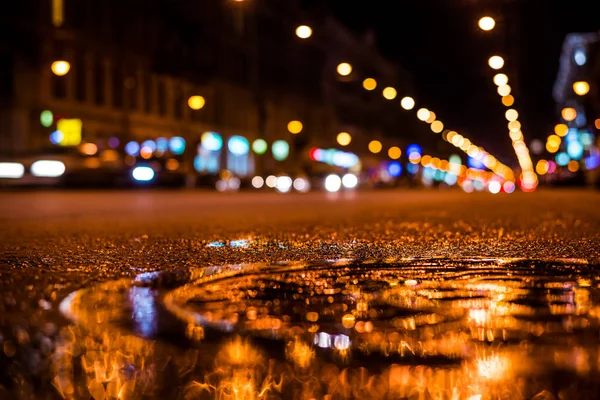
x=496, y=62
x=487, y=23
x=597, y=123
x=537, y=147
x=280, y=150
x=500, y=79
x=333, y=183
x=414, y=148
x=511, y=114
x=423, y=114
x=394, y=152
x=60, y=68
x=562, y=159
x=142, y=173
x=259, y=146
x=389, y=93
x=177, y=145
x=238, y=145
x=581, y=88
x=573, y=166
x=508, y=100
x=344, y=138
x=211, y=141
x=509, y=187
x=258, y=182
x=11, y=170
x=56, y=137
x=294, y=127
x=494, y=187
x=132, y=148
x=48, y=168
x=89, y=149
x=301, y=184
x=437, y=126
x=504, y=90
x=113, y=142
x=542, y=167
x=431, y=118
x=196, y=102
x=350, y=181
x=344, y=69
x=46, y=118
x=408, y=103
x=394, y=169
x=375, y=146
x=304, y=31
x=568, y=114
x=271, y=181
x=283, y=184
x=369, y=84
x=580, y=57
x=561, y=130
x=71, y=129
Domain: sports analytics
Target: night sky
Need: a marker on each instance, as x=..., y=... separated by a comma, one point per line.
x=438, y=41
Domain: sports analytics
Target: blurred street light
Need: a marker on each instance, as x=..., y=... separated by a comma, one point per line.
x=487, y=23
x=303, y=32
x=437, y=126
x=496, y=62
x=370, y=84
x=389, y=93
x=500, y=79
x=344, y=138
x=581, y=88
x=196, y=102
x=568, y=114
x=375, y=146
x=408, y=103
x=423, y=114
x=60, y=68
x=344, y=69
x=295, y=127
x=394, y=152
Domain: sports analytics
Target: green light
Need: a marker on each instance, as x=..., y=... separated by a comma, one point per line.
x=46, y=118
x=280, y=149
x=259, y=146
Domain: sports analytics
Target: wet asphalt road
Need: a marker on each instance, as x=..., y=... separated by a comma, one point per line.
x=52, y=243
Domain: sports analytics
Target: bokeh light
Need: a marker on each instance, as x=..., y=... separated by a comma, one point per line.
x=333, y=183
x=542, y=167
x=259, y=146
x=394, y=152
x=142, y=173
x=494, y=187
x=561, y=130
x=344, y=138
x=375, y=146
x=304, y=31
x=389, y=93
x=258, y=182
x=500, y=79
x=211, y=141
x=295, y=127
x=408, y=103
x=486, y=23
x=344, y=69
x=423, y=114
x=511, y=114
x=581, y=88
x=177, y=145
x=573, y=166
x=238, y=145
x=280, y=150
x=60, y=68
x=496, y=62
x=196, y=102
x=350, y=181
x=508, y=100
x=369, y=84
x=568, y=114
x=46, y=118
x=437, y=126
x=431, y=118
x=504, y=90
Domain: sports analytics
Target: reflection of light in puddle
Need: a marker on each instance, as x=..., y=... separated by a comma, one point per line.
x=144, y=310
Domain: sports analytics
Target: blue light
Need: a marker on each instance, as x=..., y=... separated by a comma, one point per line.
x=56, y=137
x=592, y=161
x=142, y=174
x=238, y=145
x=280, y=150
x=475, y=163
x=216, y=244
x=162, y=145
x=428, y=173
x=414, y=148
x=580, y=57
x=394, y=169
x=113, y=142
x=562, y=159
x=150, y=145
x=586, y=139
x=344, y=160
x=450, y=179
x=575, y=150
x=439, y=175
x=412, y=168
x=213, y=142
x=177, y=145
x=132, y=148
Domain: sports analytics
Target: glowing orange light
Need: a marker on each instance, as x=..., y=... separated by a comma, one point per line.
x=561, y=130
x=375, y=146
x=303, y=32
x=196, y=102
x=394, y=152
x=369, y=84
x=295, y=127
x=569, y=114
x=60, y=68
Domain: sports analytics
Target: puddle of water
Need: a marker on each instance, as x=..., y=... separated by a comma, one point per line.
x=344, y=329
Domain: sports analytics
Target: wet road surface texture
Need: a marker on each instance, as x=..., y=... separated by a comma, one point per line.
x=185, y=295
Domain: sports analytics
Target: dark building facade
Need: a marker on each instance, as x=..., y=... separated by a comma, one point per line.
x=135, y=65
